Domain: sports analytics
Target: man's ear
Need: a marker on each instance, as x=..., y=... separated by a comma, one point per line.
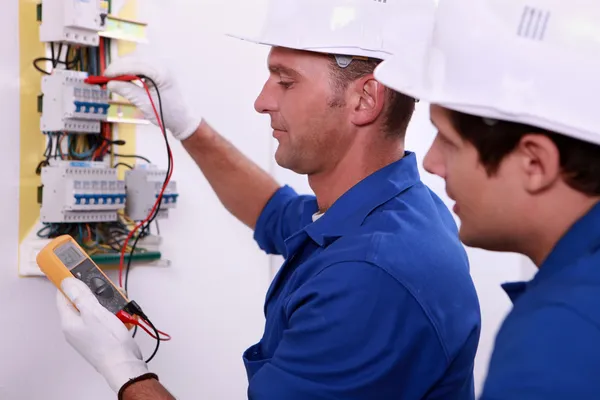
x=368, y=100
x=540, y=162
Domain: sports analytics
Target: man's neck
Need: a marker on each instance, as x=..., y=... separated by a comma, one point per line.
x=552, y=222
x=358, y=163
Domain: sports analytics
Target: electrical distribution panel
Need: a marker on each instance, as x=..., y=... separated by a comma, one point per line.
x=73, y=21
x=70, y=105
x=81, y=192
x=143, y=188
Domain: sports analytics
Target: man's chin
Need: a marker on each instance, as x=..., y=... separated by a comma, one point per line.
x=289, y=163
x=484, y=240
x=281, y=159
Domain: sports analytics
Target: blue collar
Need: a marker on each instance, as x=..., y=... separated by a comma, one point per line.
x=580, y=240
x=353, y=207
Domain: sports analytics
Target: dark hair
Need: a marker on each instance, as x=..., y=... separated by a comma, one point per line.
x=494, y=140
x=399, y=107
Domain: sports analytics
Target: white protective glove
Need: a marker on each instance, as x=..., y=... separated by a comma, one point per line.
x=98, y=335
x=178, y=117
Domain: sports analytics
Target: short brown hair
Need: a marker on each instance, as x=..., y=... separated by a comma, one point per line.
x=494, y=140
x=399, y=107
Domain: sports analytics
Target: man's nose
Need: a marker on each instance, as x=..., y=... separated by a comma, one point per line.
x=433, y=161
x=265, y=102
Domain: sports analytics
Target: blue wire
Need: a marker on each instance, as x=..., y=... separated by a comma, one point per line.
x=85, y=154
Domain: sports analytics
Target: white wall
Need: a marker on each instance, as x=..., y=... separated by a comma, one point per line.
x=223, y=289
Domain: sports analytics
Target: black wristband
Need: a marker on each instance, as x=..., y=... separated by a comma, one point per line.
x=130, y=382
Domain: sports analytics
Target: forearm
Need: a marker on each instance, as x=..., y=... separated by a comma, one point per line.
x=149, y=389
x=241, y=185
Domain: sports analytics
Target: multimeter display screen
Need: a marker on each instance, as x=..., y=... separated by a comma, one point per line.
x=69, y=255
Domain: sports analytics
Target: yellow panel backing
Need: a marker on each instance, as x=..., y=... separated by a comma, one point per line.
x=127, y=131
x=33, y=142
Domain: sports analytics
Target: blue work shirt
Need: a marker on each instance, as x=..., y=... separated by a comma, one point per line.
x=549, y=345
x=374, y=300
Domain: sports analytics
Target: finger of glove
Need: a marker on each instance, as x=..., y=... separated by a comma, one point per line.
x=135, y=94
x=81, y=296
x=69, y=315
x=134, y=66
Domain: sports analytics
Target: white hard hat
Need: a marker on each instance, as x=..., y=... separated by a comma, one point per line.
x=535, y=62
x=364, y=28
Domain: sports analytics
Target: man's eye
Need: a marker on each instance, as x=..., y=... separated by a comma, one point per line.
x=286, y=85
x=443, y=139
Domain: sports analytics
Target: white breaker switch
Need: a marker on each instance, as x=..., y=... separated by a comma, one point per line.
x=81, y=191
x=143, y=188
x=73, y=21
x=70, y=105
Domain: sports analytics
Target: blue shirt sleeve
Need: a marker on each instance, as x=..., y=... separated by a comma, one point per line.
x=354, y=333
x=552, y=353
x=281, y=217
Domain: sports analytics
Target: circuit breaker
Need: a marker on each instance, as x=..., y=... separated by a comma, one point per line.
x=81, y=192
x=73, y=21
x=143, y=188
x=71, y=105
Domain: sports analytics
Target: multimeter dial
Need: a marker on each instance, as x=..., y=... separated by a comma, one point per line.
x=106, y=293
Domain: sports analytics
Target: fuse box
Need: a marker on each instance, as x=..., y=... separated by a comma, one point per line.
x=81, y=191
x=73, y=21
x=71, y=105
x=143, y=188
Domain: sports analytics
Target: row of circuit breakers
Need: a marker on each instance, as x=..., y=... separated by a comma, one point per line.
x=90, y=191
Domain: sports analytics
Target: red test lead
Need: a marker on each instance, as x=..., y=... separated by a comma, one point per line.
x=102, y=80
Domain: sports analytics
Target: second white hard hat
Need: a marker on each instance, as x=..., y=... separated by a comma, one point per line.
x=534, y=62
x=366, y=28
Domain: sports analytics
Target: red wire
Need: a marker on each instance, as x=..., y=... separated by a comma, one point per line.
x=102, y=57
x=104, y=80
x=102, y=149
x=128, y=319
x=158, y=200
x=147, y=328
x=121, y=314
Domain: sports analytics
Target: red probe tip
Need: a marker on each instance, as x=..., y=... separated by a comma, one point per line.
x=102, y=80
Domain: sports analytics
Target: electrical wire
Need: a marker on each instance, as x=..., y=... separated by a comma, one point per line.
x=123, y=164
x=56, y=60
x=145, y=224
x=154, y=212
x=133, y=156
x=157, y=340
x=132, y=309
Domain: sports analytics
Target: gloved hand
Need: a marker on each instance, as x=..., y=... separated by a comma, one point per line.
x=98, y=335
x=179, y=119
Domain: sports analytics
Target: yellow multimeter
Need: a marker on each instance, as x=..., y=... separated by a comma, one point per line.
x=63, y=258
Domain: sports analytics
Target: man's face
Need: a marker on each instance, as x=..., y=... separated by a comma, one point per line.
x=488, y=206
x=308, y=117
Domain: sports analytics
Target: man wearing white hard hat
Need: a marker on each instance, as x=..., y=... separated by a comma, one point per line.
x=513, y=87
x=374, y=300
